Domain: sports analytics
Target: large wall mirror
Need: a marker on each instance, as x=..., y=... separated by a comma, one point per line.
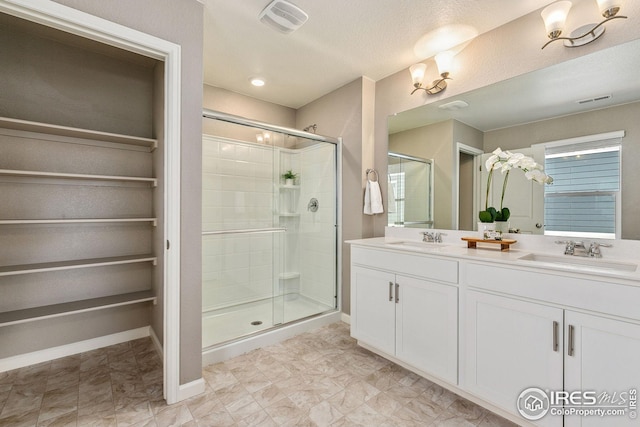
x=594, y=94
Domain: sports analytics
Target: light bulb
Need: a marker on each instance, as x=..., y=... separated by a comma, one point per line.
x=609, y=8
x=554, y=17
x=417, y=73
x=445, y=62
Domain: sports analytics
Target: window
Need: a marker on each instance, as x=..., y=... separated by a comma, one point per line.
x=584, y=199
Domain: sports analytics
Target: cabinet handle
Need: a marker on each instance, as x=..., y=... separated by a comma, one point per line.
x=555, y=336
x=390, y=291
x=397, y=293
x=570, y=341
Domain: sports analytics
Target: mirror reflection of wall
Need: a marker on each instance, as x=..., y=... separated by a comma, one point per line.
x=410, y=200
x=551, y=104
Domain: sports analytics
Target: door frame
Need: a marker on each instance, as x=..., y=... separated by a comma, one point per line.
x=73, y=21
x=455, y=179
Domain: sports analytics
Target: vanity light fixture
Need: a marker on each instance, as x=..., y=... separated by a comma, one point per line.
x=444, y=60
x=555, y=15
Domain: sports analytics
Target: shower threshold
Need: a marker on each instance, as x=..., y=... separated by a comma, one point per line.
x=222, y=327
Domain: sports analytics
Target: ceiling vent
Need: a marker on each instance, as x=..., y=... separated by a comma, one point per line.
x=596, y=99
x=283, y=16
x=454, y=105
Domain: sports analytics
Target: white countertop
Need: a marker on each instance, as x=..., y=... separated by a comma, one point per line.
x=612, y=268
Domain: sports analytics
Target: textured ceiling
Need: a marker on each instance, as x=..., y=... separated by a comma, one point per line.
x=341, y=41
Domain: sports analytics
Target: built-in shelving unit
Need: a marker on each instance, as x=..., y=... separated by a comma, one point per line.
x=13, y=270
x=56, y=310
x=153, y=221
x=39, y=174
x=49, y=136
x=51, y=129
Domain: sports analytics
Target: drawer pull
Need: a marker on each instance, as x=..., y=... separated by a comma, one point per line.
x=555, y=336
x=397, y=293
x=390, y=291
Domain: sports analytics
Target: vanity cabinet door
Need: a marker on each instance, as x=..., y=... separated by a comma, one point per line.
x=602, y=355
x=373, y=308
x=512, y=345
x=427, y=327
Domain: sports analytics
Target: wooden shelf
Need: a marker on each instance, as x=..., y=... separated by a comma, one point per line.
x=39, y=174
x=76, y=221
x=29, y=126
x=14, y=270
x=57, y=310
x=504, y=243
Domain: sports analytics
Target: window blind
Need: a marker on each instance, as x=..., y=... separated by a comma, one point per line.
x=586, y=183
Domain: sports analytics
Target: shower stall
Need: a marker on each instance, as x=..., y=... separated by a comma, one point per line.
x=269, y=238
x=410, y=191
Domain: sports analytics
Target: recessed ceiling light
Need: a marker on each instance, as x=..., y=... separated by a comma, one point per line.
x=257, y=81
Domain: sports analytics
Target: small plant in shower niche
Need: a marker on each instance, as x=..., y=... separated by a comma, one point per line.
x=289, y=177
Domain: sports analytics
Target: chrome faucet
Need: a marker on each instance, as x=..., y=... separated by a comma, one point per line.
x=427, y=237
x=592, y=251
x=435, y=237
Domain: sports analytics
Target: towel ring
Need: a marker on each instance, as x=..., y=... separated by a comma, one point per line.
x=375, y=173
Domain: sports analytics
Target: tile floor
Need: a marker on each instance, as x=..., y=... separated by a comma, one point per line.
x=320, y=378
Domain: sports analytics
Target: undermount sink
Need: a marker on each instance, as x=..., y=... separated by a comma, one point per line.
x=583, y=262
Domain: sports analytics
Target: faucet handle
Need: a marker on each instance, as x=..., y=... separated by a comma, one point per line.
x=438, y=237
x=570, y=246
x=594, y=249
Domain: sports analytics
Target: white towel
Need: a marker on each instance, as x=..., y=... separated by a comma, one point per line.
x=391, y=197
x=372, y=198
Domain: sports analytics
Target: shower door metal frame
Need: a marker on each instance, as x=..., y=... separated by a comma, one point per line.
x=239, y=120
x=429, y=223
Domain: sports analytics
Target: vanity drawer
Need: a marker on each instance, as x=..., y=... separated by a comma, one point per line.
x=427, y=267
x=594, y=295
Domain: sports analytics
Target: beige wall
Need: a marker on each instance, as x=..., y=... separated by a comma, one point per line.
x=215, y=98
x=505, y=52
x=179, y=22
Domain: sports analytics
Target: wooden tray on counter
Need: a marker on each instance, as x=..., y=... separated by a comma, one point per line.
x=472, y=242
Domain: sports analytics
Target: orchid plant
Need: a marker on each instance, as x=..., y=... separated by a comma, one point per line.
x=505, y=161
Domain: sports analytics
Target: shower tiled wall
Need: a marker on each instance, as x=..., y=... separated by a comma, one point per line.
x=241, y=190
x=237, y=194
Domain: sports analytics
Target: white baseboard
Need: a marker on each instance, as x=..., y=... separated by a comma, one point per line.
x=345, y=318
x=191, y=389
x=22, y=360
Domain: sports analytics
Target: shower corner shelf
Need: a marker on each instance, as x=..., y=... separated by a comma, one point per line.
x=289, y=275
x=289, y=187
x=289, y=215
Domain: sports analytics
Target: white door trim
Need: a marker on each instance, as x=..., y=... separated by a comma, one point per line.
x=455, y=179
x=64, y=18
